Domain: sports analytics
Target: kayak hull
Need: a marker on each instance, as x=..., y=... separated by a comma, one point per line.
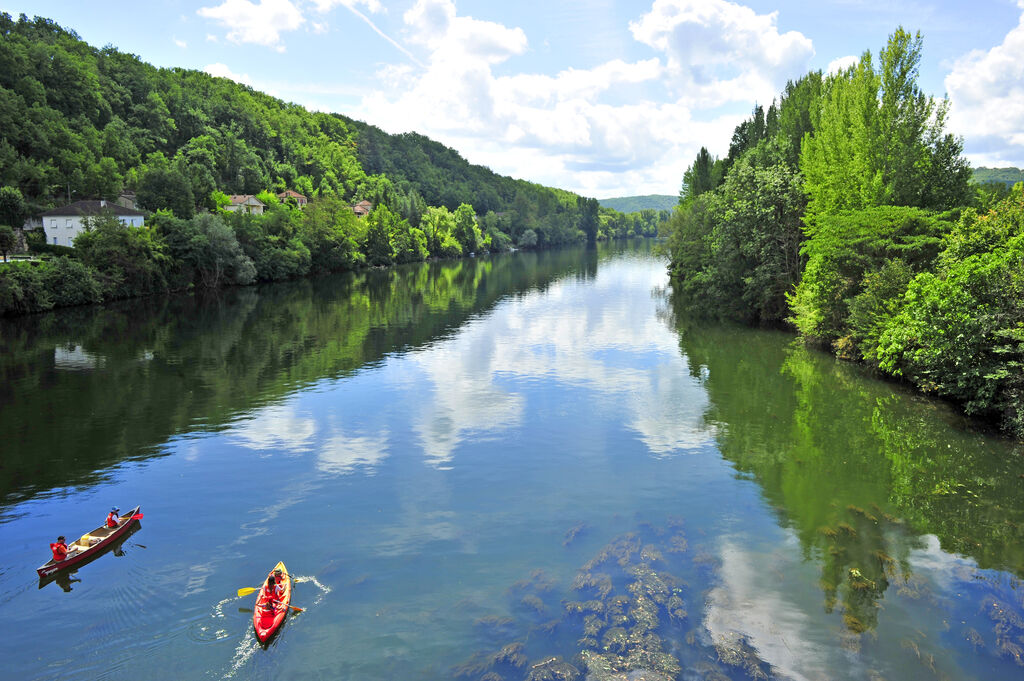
x=265, y=621
x=91, y=549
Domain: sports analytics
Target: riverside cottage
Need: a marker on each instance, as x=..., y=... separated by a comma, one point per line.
x=245, y=203
x=63, y=225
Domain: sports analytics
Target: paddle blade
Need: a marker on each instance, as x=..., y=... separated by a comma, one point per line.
x=247, y=590
x=137, y=516
x=297, y=609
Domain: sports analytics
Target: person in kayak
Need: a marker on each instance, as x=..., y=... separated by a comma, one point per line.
x=274, y=591
x=278, y=578
x=112, y=519
x=60, y=549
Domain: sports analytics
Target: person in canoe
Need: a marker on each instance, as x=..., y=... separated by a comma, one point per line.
x=60, y=549
x=112, y=519
x=274, y=591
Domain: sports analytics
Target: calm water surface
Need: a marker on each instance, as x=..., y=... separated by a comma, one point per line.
x=494, y=468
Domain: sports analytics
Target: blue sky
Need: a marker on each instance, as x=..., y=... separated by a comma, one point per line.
x=603, y=97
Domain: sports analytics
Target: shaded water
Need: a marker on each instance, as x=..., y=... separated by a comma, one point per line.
x=508, y=467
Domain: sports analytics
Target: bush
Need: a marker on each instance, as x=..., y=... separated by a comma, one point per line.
x=960, y=331
x=23, y=290
x=70, y=282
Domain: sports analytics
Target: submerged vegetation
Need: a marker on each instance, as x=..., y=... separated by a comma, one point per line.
x=644, y=607
x=846, y=211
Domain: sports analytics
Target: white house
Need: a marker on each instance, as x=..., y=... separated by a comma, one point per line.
x=62, y=225
x=246, y=203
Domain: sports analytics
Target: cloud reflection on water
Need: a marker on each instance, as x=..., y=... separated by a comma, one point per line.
x=600, y=336
x=343, y=454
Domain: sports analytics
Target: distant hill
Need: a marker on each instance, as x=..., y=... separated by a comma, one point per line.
x=1009, y=176
x=633, y=204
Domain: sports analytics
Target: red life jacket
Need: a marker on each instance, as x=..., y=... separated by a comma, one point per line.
x=60, y=550
x=273, y=597
x=112, y=519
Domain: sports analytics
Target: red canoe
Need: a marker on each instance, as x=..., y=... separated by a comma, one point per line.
x=91, y=544
x=267, y=620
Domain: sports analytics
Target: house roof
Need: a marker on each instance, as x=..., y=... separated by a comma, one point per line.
x=290, y=194
x=93, y=208
x=239, y=199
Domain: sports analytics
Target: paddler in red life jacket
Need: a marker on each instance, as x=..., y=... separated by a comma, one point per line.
x=112, y=519
x=60, y=549
x=273, y=591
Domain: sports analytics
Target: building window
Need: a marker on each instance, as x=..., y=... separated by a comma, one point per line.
x=54, y=241
x=67, y=223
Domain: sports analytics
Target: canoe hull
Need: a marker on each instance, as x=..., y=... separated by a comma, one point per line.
x=107, y=539
x=267, y=622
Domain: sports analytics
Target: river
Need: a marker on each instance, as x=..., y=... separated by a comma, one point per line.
x=520, y=466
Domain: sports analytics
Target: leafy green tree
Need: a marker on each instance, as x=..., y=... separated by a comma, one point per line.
x=103, y=180
x=879, y=140
x=162, y=186
x=332, y=232
x=7, y=241
x=848, y=247
x=13, y=210
x=438, y=227
x=703, y=175
x=466, y=231
x=588, y=217
x=376, y=244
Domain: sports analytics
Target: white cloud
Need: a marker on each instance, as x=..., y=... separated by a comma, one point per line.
x=180, y=43
x=721, y=43
x=220, y=70
x=615, y=127
x=841, y=64
x=261, y=23
x=986, y=90
x=324, y=6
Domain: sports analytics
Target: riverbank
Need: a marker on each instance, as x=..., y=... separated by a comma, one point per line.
x=216, y=250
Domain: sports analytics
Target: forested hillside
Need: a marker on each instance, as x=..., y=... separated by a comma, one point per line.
x=78, y=122
x=846, y=211
x=1008, y=176
x=634, y=204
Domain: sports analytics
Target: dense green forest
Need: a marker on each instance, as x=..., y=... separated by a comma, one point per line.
x=1010, y=176
x=78, y=122
x=846, y=211
x=634, y=204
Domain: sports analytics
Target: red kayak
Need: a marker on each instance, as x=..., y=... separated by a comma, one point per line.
x=92, y=544
x=266, y=618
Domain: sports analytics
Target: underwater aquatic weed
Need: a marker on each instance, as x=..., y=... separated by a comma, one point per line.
x=553, y=669
x=574, y=532
x=511, y=654
x=600, y=582
x=533, y=603
x=847, y=529
x=829, y=532
x=853, y=623
x=972, y=636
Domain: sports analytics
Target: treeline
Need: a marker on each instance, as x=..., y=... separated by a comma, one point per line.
x=846, y=211
x=89, y=122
